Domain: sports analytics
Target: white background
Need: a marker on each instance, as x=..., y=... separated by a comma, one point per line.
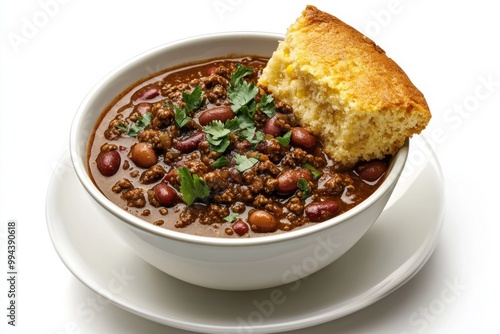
x=54, y=51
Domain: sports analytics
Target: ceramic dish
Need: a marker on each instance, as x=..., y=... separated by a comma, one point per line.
x=221, y=263
x=390, y=253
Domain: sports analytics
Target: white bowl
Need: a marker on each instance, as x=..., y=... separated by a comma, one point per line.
x=229, y=264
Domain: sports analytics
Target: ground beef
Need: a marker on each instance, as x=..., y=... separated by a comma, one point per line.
x=261, y=166
x=152, y=175
x=134, y=197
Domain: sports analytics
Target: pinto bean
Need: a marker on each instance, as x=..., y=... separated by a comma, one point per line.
x=287, y=181
x=165, y=141
x=262, y=221
x=143, y=155
x=108, y=162
x=303, y=139
x=321, y=211
x=221, y=113
x=189, y=144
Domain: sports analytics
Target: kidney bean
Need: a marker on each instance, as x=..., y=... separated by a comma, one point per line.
x=146, y=93
x=108, y=162
x=303, y=139
x=189, y=144
x=143, y=155
x=143, y=108
x=371, y=170
x=271, y=128
x=287, y=181
x=165, y=194
x=321, y=211
x=262, y=221
x=211, y=70
x=240, y=227
x=221, y=113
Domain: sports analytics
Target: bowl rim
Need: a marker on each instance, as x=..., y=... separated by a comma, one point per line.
x=391, y=177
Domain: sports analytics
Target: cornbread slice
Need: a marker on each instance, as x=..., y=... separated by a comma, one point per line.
x=344, y=89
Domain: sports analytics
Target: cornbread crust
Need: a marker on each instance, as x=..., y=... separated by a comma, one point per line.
x=344, y=89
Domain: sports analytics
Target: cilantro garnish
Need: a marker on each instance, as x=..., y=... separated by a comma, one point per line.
x=303, y=185
x=181, y=117
x=245, y=117
x=242, y=94
x=316, y=173
x=192, y=186
x=231, y=217
x=266, y=105
x=217, y=136
x=221, y=162
x=192, y=101
x=243, y=163
x=133, y=129
x=237, y=76
x=252, y=135
x=233, y=124
x=285, y=139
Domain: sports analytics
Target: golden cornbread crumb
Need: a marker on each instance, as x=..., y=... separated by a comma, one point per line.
x=344, y=89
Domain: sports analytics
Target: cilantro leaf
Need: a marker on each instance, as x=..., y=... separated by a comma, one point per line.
x=192, y=101
x=217, y=136
x=233, y=124
x=242, y=94
x=192, y=186
x=315, y=172
x=303, y=185
x=216, y=129
x=266, y=105
x=243, y=163
x=181, y=117
x=221, y=162
x=134, y=128
x=285, y=139
x=143, y=121
x=252, y=135
x=240, y=91
x=231, y=217
x=237, y=76
x=245, y=118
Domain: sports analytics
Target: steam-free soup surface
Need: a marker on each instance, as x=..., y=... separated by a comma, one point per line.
x=201, y=149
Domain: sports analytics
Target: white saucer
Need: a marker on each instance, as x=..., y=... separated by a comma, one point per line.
x=392, y=251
